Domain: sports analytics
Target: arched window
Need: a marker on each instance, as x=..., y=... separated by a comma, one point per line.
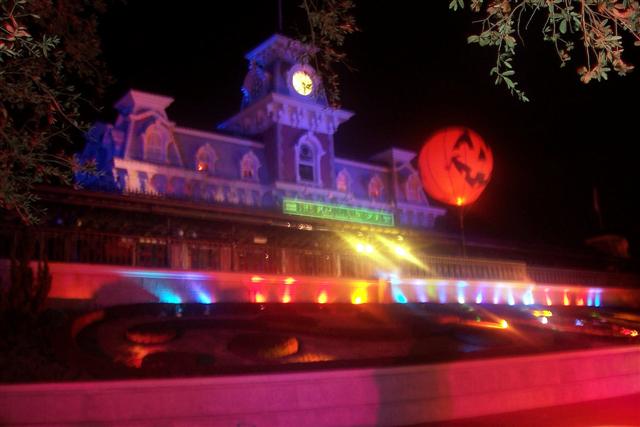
x=306, y=163
x=154, y=145
x=342, y=181
x=413, y=188
x=308, y=153
x=206, y=159
x=375, y=187
x=249, y=166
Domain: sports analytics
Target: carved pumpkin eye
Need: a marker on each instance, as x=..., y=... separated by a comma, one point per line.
x=455, y=165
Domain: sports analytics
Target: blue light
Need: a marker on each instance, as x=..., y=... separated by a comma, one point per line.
x=510, y=299
x=201, y=295
x=460, y=285
x=168, y=296
x=442, y=293
x=597, y=302
x=590, y=298
x=399, y=296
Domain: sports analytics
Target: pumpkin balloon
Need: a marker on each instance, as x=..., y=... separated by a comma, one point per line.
x=455, y=166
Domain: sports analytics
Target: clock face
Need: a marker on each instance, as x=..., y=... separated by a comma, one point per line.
x=302, y=83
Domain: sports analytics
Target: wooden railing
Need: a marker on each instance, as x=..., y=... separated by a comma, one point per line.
x=79, y=246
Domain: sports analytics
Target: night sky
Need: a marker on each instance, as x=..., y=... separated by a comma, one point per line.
x=415, y=74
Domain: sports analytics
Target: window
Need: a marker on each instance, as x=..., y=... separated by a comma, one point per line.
x=375, y=187
x=413, y=188
x=154, y=146
x=342, y=181
x=249, y=166
x=206, y=159
x=308, y=152
x=306, y=164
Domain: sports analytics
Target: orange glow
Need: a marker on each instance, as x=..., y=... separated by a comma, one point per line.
x=322, y=298
x=455, y=165
x=260, y=298
x=502, y=324
x=580, y=301
x=565, y=299
x=202, y=167
x=548, y=298
x=256, y=279
x=289, y=281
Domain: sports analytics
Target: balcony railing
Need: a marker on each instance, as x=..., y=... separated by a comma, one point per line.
x=79, y=246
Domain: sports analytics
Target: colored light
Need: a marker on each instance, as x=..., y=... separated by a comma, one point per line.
x=322, y=297
x=368, y=249
x=597, y=299
x=504, y=324
x=590, y=298
x=510, y=299
x=544, y=320
x=256, y=279
x=548, y=299
x=459, y=201
x=398, y=296
x=580, y=301
x=400, y=251
x=359, y=296
x=286, y=298
x=545, y=313
x=479, y=298
x=259, y=297
x=565, y=298
x=360, y=247
x=289, y=281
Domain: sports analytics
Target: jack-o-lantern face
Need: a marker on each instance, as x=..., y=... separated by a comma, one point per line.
x=455, y=166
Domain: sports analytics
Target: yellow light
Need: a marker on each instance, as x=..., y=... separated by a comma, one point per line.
x=459, y=201
x=565, y=299
x=360, y=247
x=286, y=298
x=359, y=296
x=322, y=298
x=545, y=313
x=400, y=251
x=504, y=324
x=368, y=249
x=548, y=298
x=260, y=297
x=256, y=279
x=302, y=83
x=289, y=281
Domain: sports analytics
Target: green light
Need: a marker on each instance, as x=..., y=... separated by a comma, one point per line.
x=337, y=212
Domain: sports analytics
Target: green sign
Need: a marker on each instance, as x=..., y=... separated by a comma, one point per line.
x=337, y=212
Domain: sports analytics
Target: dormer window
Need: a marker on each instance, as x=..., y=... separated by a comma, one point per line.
x=205, y=159
x=342, y=181
x=308, y=153
x=154, y=146
x=375, y=187
x=249, y=167
x=413, y=188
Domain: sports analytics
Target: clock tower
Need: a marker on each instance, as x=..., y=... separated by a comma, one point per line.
x=284, y=105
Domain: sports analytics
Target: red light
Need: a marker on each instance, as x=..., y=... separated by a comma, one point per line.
x=256, y=279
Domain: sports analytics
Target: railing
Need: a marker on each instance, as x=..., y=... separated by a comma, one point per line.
x=80, y=246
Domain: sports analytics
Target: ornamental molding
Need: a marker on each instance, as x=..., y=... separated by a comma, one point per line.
x=361, y=165
x=285, y=110
x=279, y=47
